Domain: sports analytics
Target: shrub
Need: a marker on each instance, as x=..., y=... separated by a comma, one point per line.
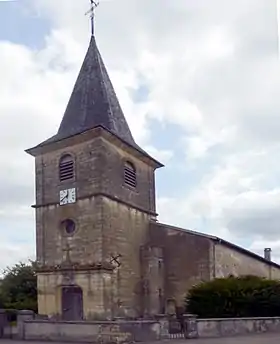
x=247, y=296
x=18, y=288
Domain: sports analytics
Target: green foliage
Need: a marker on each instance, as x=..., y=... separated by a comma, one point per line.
x=247, y=296
x=18, y=288
x=1, y=298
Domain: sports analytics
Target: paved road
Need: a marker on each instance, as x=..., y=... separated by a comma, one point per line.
x=259, y=339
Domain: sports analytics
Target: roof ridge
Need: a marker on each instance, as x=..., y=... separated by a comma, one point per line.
x=102, y=83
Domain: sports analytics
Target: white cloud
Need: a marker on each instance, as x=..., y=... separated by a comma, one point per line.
x=13, y=253
x=164, y=156
x=212, y=70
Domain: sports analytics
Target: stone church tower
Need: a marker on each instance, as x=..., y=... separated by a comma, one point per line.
x=95, y=198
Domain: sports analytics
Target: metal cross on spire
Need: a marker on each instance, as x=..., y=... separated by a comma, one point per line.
x=93, y=5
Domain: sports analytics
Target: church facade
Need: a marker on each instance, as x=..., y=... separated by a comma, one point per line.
x=101, y=252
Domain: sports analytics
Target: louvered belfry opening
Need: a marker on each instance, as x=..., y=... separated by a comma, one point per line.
x=130, y=174
x=66, y=168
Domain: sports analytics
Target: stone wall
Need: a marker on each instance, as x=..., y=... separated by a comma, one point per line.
x=142, y=197
x=153, y=280
x=143, y=331
x=228, y=261
x=94, y=285
x=51, y=240
x=111, y=220
x=124, y=331
x=186, y=259
x=126, y=213
x=85, y=249
x=92, y=332
x=208, y=328
x=191, y=257
x=125, y=231
x=7, y=330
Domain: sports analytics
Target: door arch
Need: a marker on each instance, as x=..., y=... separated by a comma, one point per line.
x=72, y=302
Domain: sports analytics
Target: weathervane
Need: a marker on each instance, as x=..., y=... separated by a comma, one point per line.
x=93, y=5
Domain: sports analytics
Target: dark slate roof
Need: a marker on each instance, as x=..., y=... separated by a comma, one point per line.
x=93, y=103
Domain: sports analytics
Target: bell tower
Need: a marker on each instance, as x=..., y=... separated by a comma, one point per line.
x=95, y=197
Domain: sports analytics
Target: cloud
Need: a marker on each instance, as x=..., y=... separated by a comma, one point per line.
x=259, y=245
x=33, y=88
x=238, y=200
x=11, y=254
x=212, y=71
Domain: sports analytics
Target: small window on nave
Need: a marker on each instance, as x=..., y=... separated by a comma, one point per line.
x=66, y=167
x=130, y=174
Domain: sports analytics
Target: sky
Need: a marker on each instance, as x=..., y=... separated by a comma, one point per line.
x=199, y=84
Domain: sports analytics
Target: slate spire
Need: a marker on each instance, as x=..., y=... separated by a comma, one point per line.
x=93, y=102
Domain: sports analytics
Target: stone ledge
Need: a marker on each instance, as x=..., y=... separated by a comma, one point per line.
x=238, y=319
x=76, y=267
x=226, y=327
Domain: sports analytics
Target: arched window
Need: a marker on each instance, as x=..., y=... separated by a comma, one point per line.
x=130, y=174
x=66, y=167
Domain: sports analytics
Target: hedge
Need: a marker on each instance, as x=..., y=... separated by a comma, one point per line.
x=247, y=296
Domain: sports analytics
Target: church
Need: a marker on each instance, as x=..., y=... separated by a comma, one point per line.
x=101, y=252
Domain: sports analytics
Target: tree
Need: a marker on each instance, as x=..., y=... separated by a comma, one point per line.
x=18, y=288
x=246, y=296
x=1, y=298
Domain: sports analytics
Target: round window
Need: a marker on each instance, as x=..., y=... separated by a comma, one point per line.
x=68, y=226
